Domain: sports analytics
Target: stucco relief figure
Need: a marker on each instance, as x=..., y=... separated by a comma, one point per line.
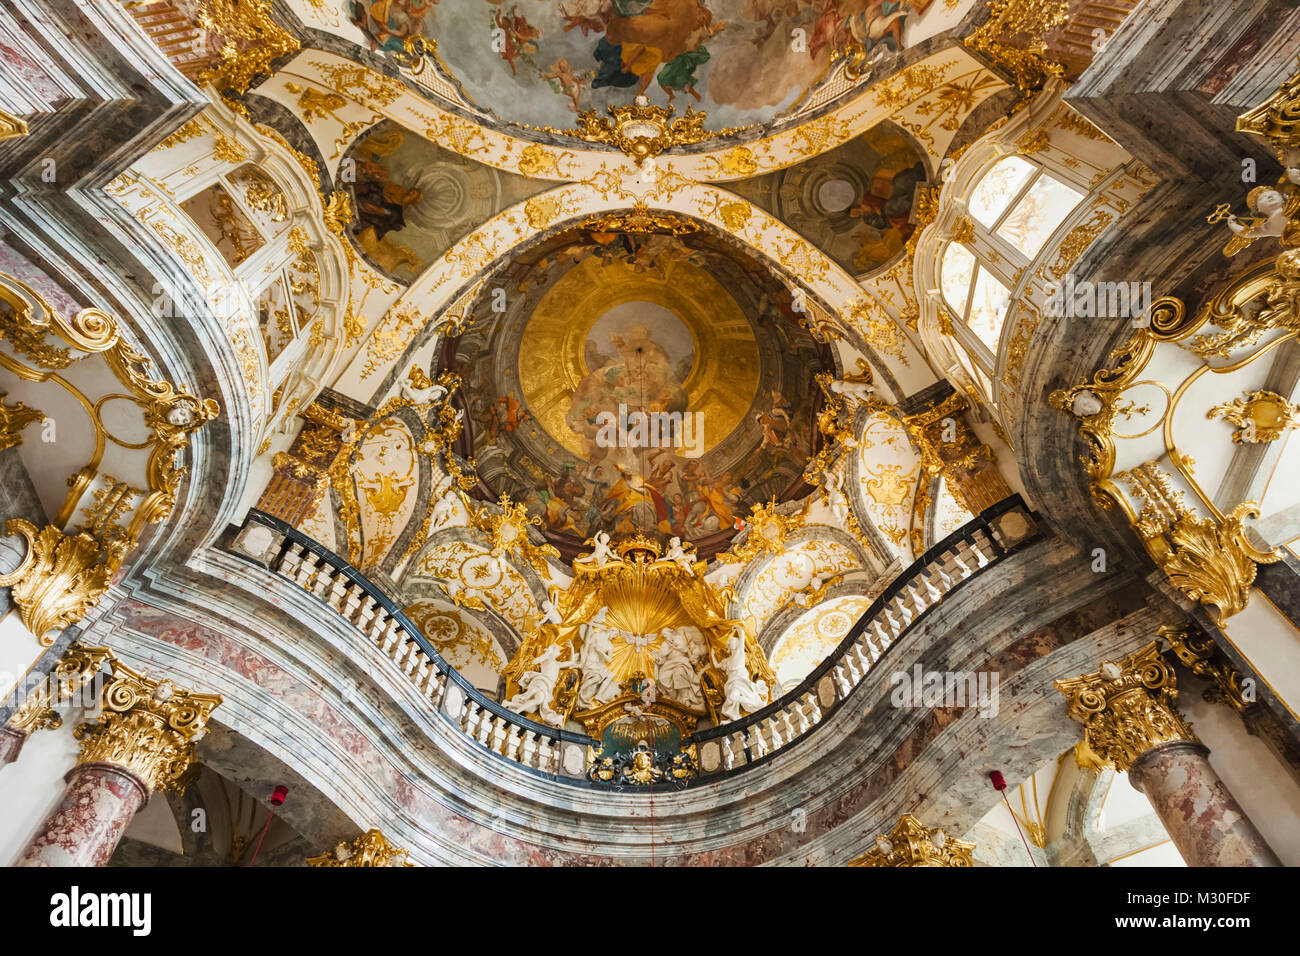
x=740, y=693
x=855, y=389
x=537, y=687
x=601, y=552
x=419, y=389
x=598, y=684
x=835, y=497
x=678, y=554
x=444, y=510
x=675, y=670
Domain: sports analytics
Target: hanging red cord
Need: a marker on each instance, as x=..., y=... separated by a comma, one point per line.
x=277, y=799
x=1000, y=785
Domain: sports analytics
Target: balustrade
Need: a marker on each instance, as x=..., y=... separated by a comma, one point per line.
x=976, y=546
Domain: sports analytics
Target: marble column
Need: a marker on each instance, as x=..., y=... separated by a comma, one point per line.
x=1131, y=724
x=143, y=742
x=1201, y=816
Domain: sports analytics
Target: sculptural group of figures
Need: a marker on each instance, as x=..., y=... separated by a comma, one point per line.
x=679, y=660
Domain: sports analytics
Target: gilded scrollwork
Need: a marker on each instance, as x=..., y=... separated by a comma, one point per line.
x=67, y=569
x=370, y=849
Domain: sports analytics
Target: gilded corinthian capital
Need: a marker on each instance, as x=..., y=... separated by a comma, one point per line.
x=912, y=843
x=1127, y=707
x=149, y=727
x=370, y=849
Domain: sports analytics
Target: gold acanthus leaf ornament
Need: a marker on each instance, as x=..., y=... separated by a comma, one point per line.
x=149, y=727
x=13, y=419
x=765, y=531
x=370, y=849
x=61, y=576
x=912, y=843
x=1261, y=416
x=248, y=40
x=1126, y=707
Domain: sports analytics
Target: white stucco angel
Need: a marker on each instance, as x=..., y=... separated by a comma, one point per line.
x=419, y=389
x=550, y=613
x=678, y=553
x=598, y=685
x=601, y=552
x=838, y=502
x=854, y=388
x=740, y=693
x=447, y=505
x=675, y=669
x=537, y=687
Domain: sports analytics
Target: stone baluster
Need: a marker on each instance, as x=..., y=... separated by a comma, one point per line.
x=1131, y=724
x=143, y=743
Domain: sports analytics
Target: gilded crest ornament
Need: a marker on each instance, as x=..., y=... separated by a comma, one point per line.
x=1261, y=416
x=641, y=130
x=370, y=849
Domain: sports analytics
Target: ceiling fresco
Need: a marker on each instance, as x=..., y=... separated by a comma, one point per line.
x=538, y=63
x=413, y=199
x=638, y=381
x=854, y=202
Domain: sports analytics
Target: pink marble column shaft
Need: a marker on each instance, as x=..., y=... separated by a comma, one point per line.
x=1202, y=818
x=11, y=742
x=85, y=827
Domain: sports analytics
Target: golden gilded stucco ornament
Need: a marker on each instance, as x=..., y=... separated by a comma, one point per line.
x=70, y=562
x=1127, y=707
x=639, y=596
x=149, y=727
x=766, y=531
x=641, y=130
x=912, y=843
x=1261, y=416
x=370, y=849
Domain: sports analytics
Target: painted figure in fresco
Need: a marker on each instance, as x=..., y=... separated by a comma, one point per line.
x=520, y=36
x=883, y=21
x=388, y=23
x=564, y=80
x=381, y=203
x=642, y=34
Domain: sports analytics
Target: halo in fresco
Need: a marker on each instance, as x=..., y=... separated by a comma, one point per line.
x=742, y=61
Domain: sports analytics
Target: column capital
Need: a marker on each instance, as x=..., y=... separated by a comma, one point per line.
x=912, y=843
x=149, y=728
x=74, y=670
x=370, y=849
x=1127, y=707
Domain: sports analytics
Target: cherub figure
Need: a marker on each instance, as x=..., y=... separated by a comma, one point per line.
x=601, y=552
x=569, y=83
x=419, y=389
x=678, y=553
x=1269, y=222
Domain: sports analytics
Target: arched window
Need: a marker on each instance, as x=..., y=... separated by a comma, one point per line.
x=1013, y=210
